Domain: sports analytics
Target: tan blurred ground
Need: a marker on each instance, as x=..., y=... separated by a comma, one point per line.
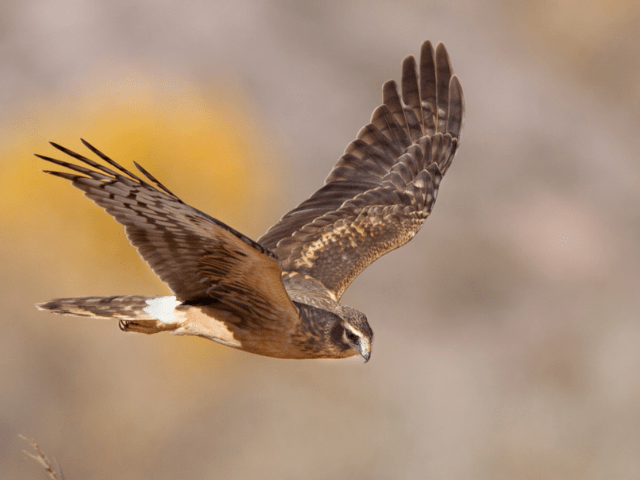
x=507, y=333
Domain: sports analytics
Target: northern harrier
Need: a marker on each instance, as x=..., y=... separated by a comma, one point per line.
x=279, y=296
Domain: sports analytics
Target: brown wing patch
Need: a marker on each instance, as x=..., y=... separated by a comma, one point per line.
x=246, y=283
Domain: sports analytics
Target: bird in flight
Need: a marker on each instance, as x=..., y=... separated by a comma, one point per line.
x=279, y=296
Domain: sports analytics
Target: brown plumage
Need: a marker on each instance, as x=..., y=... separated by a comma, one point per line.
x=280, y=296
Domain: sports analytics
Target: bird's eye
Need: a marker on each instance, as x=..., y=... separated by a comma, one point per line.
x=352, y=337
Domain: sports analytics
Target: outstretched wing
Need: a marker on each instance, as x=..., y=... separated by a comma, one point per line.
x=199, y=257
x=384, y=186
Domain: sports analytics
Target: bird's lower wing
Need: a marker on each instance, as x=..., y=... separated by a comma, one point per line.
x=200, y=258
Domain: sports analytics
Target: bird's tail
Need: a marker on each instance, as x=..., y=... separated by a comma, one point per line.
x=137, y=313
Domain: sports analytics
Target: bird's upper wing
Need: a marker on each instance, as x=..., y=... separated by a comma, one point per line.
x=199, y=257
x=384, y=186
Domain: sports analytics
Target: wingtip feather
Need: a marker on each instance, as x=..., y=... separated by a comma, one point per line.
x=456, y=108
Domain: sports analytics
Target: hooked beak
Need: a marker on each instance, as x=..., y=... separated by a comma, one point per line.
x=365, y=350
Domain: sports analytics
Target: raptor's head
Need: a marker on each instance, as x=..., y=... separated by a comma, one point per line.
x=353, y=331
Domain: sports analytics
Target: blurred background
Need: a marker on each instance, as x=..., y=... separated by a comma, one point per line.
x=507, y=332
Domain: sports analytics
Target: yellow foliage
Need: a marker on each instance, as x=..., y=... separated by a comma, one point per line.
x=204, y=147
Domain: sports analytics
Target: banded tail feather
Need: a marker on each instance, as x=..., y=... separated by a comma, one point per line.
x=137, y=313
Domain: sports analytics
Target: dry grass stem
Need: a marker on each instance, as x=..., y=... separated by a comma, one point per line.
x=42, y=460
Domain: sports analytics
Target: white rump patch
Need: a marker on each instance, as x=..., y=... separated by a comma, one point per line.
x=162, y=308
